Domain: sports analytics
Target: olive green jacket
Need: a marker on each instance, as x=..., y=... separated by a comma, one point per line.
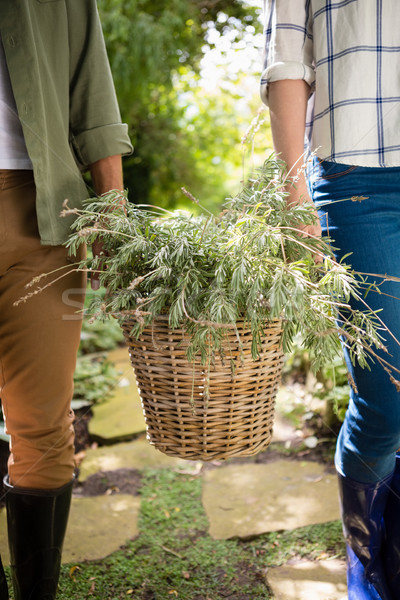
x=65, y=98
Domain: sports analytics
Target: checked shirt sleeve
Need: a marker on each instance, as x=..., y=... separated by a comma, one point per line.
x=288, y=43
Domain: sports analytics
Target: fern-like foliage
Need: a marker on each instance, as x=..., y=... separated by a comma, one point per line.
x=251, y=261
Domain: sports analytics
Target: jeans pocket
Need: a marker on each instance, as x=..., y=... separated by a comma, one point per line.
x=332, y=170
x=323, y=175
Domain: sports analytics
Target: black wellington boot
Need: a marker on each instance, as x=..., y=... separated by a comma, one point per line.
x=363, y=506
x=391, y=553
x=3, y=584
x=37, y=521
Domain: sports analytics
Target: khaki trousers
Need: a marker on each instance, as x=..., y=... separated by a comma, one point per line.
x=39, y=339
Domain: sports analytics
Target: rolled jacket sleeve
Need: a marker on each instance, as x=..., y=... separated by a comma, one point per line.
x=288, y=43
x=107, y=140
x=96, y=130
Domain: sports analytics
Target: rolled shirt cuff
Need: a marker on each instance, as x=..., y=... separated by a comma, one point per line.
x=94, y=144
x=285, y=70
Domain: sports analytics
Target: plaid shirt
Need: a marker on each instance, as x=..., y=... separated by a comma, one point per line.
x=348, y=51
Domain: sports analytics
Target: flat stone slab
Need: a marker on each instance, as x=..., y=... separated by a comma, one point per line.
x=5, y=555
x=128, y=455
x=100, y=525
x=284, y=429
x=97, y=527
x=120, y=416
x=243, y=500
x=305, y=580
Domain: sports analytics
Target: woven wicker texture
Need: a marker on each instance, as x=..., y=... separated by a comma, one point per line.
x=237, y=417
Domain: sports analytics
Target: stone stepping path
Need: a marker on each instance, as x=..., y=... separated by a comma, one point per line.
x=97, y=527
x=120, y=416
x=100, y=525
x=244, y=500
x=136, y=454
x=306, y=580
x=284, y=429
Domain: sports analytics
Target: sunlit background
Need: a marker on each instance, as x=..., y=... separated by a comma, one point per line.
x=232, y=64
x=187, y=77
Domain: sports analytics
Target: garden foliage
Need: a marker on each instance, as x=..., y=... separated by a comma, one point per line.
x=252, y=261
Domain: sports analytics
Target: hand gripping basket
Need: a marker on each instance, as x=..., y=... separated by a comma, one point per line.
x=237, y=417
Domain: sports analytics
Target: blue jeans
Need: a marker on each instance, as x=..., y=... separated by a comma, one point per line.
x=369, y=229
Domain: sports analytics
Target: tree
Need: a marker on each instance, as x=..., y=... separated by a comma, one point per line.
x=155, y=49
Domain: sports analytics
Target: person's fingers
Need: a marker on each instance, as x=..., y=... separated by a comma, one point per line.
x=94, y=282
x=97, y=250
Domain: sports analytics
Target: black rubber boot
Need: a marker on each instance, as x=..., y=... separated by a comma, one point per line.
x=363, y=506
x=3, y=584
x=391, y=553
x=37, y=521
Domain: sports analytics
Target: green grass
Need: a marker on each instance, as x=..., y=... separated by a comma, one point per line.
x=174, y=557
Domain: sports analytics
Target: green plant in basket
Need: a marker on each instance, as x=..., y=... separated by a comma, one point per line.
x=207, y=303
x=207, y=272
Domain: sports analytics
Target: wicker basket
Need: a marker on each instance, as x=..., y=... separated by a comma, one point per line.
x=236, y=419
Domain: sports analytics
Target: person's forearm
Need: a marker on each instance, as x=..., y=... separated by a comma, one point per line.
x=288, y=104
x=106, y=174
